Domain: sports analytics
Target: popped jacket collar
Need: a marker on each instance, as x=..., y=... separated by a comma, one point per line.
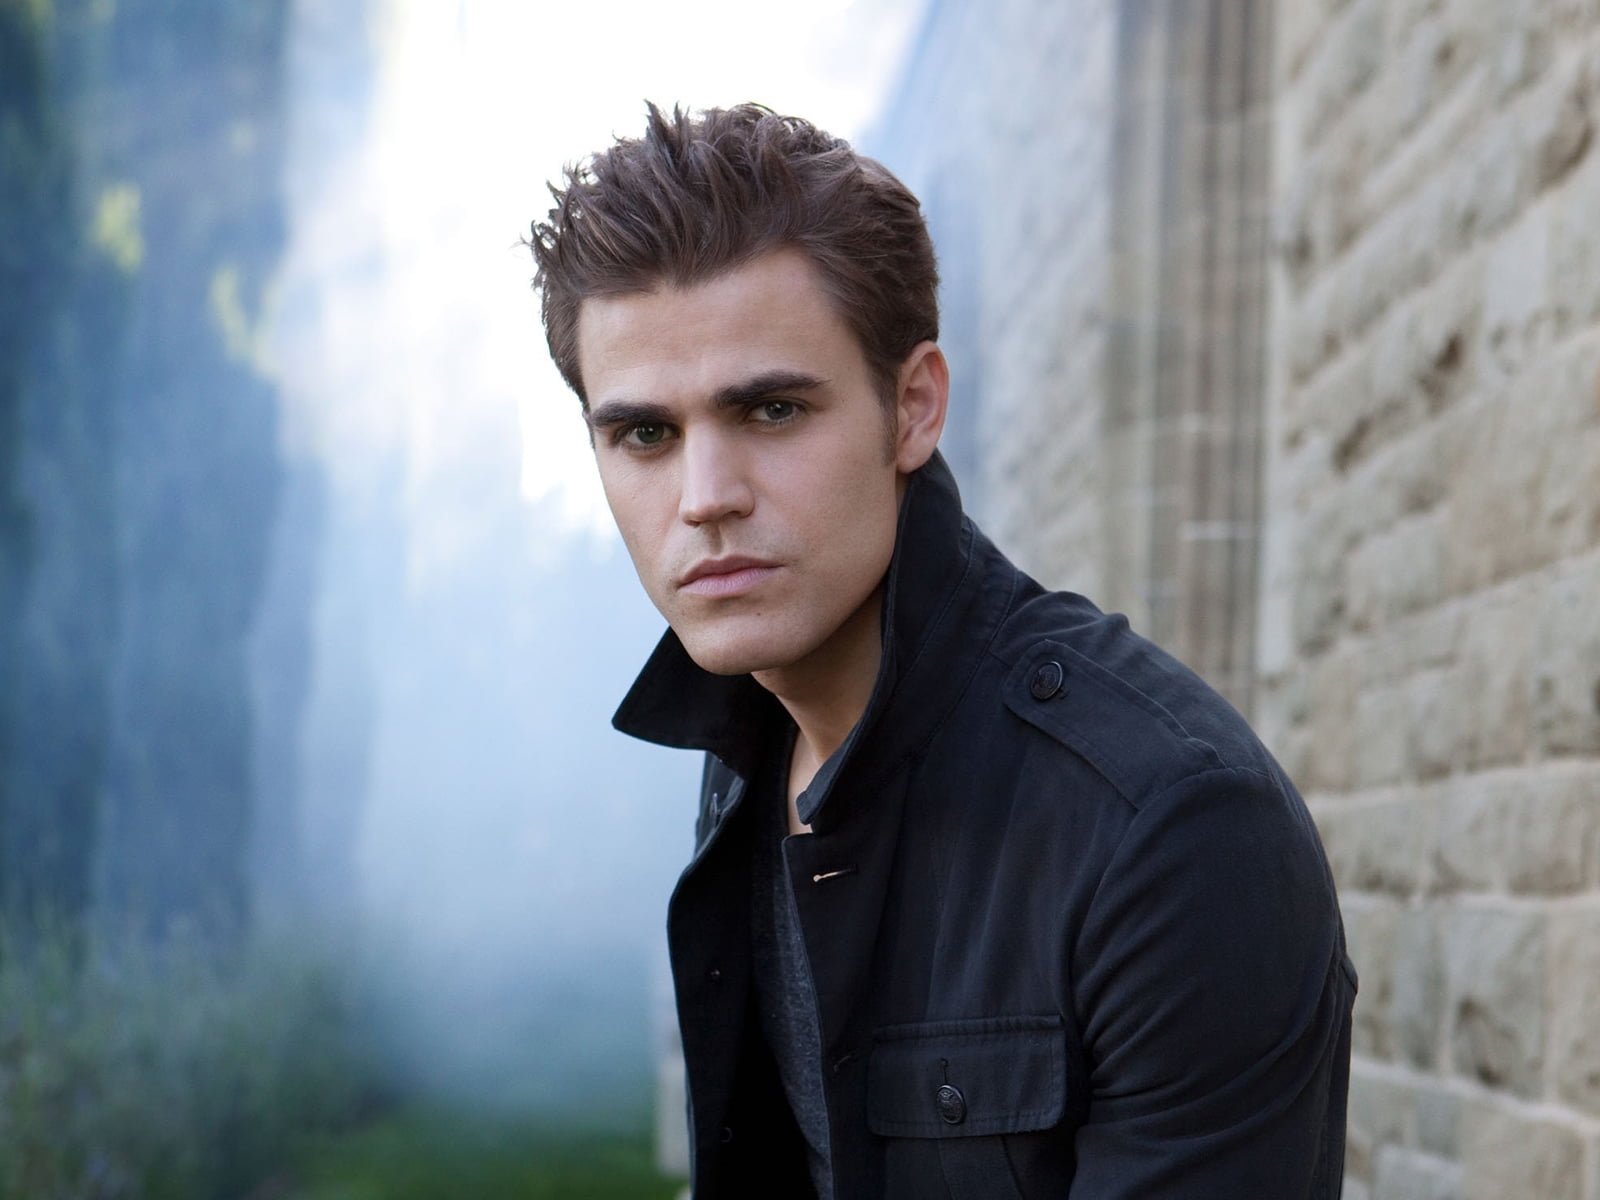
x=942, y=606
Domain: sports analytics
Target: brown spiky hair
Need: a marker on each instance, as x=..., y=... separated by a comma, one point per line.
x=701, y=194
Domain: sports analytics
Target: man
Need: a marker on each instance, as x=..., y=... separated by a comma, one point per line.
x=990, y=897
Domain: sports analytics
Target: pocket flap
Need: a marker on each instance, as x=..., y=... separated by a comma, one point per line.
x=966, y=1078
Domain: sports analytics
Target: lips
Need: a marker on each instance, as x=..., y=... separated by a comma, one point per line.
x=730, y=576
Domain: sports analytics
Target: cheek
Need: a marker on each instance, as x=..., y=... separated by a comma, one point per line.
x=633, y=520
x=860, y=522
x=632, y=502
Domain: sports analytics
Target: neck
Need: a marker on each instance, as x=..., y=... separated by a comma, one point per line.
x=826, y=693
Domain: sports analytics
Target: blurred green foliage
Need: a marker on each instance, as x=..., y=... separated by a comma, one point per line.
x=130, y=1071
x=432, y=1155
x=172, y=1073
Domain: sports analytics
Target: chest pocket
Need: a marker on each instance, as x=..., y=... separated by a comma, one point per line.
x=948, y=1094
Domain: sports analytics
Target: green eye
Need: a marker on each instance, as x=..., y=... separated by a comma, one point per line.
x=649, y=435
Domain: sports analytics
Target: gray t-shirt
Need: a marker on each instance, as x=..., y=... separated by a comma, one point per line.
x=784, y=992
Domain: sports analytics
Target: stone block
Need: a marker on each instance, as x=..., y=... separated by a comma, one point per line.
x=1308, y=480
x=1430, y=641
x=1574, y=19
x=1299, y=26
x=1505, y=1155
x=1575, y=247
x=1422, y=360
x=1328, y=720
x=1333, y=402
x=1344, y=61
x=1435, y=743
x=1565, y=677
x=1313, y=336
x=1397, y=571
x=1329, y=763
x=1395, y=258
x=1521, y=45
x=1559, y=116
x=1517, y=319
x=1381, y=1115
x=1495, y=969
x=1494, y=499
x=1320, y=598
x=1485, y=185
x=1291, y=746
x=1439, y=1122
x=1493, y=682
x=1469, y=835
x=1575, y=1007
x=1383, y=736
x=1443, y=47
x=1375, y=847
x=1404, y=16
x=1370, y=928
x=1569, y=494
x=1298, y=693
x=1442, y=334
x=1320, y=212
x=1524, y=492
x=1406, y=477
x=1409, y=1175
x=1416, y=1002
x=1552, y=834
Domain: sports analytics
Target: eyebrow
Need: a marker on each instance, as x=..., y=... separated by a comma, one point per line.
x=767, y=383
x=626, y=412
x=623, y=411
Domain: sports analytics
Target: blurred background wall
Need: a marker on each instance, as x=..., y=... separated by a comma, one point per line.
x=1277, y=326
x=311, y=619
x=129, y=308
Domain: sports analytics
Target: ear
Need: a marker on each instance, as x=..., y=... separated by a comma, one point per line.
x=923, y=392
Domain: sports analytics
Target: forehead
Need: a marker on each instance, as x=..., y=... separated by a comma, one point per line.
x=770, y=313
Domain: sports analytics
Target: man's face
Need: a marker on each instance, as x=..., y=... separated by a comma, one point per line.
x=745, y=454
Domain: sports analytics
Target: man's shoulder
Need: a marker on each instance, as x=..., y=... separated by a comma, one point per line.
x=1141, y=718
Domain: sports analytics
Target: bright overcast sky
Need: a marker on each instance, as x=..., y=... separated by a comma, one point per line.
x=482, y=101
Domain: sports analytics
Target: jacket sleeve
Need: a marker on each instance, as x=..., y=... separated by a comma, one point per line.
x=1213, y=995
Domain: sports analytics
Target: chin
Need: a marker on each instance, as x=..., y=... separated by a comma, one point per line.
x=721, y=660
x=733, y=655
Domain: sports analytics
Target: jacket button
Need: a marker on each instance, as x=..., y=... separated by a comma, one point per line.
x=726, y=1135
x=715, y=974
x=952, y=1105
x=1046, y=681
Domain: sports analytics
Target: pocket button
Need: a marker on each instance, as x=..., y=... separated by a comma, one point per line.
x=952, y=1105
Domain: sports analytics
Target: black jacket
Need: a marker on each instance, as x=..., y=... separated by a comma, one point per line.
x=1071, y=929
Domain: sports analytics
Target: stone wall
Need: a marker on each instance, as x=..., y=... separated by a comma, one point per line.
x=1189, y=238
x=1096, y=178
x=1430, y=635
x=1024, y=254
x=1413, y=470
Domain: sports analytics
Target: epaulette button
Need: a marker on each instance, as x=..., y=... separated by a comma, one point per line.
x=1046, y=680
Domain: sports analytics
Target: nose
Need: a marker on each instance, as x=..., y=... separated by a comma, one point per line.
x=715, y=484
